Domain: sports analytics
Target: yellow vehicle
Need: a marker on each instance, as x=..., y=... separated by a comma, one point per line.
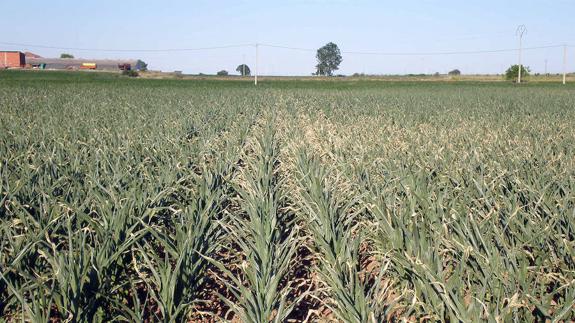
x=88, y=66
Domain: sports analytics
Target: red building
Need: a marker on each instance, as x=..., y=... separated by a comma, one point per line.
x=11, y=59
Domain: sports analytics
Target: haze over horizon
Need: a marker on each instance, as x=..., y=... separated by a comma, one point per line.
x=361, y=25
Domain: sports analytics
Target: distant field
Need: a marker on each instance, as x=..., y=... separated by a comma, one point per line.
x=554, y=78
x=355, y=201
x=490, y=78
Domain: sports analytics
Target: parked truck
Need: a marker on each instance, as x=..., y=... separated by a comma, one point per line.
x=125, y=67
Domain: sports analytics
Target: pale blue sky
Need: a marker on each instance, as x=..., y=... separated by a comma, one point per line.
x=360, y=25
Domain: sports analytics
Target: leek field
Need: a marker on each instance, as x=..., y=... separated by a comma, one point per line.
x=298, y=200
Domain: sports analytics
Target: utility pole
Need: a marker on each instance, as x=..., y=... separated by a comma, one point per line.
x=244, y=65
x=257, y=59
x=545, y=67
x=564, y=64
x=520, y=31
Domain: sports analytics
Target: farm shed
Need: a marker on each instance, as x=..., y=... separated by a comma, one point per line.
x=78, y=63
x=12, y=59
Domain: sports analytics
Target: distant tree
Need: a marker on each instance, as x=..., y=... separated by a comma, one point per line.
x=455, y=72
x=223, y=73
x=328, y=59
x=64, y=55
x=512, y=72
x=141, y=65
x=244, y=70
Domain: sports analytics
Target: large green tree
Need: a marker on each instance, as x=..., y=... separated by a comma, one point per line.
x=454, y=72
x=328, y=59
x=141, y=65
x=512, y=72
x=244, y=70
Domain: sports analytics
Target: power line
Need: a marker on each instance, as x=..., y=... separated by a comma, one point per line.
x=129, y=50
x=374, y=53
x=439, y=53
x=353, y=52
x=457, y=38
x=288, y=47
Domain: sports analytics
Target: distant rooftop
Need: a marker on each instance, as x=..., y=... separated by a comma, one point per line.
x=32, y=55
x=75, y=63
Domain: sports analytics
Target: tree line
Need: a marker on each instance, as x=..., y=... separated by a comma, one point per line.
x=328, y=61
